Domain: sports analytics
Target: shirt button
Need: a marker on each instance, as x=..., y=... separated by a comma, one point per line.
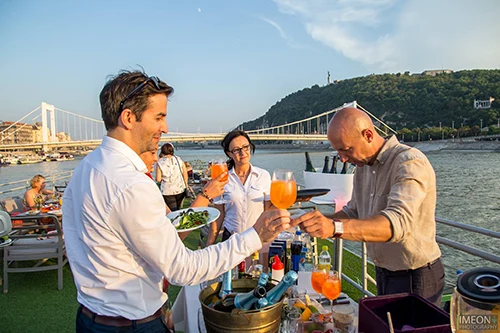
x=373, y=171
x=371, y=194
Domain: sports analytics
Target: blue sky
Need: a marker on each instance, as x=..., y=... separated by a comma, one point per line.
x=228, y=61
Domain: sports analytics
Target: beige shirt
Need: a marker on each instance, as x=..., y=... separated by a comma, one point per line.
x=401, y=185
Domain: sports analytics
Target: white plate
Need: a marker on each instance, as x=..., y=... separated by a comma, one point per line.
x=6, y=242
x=30, y=212
x=213, y=214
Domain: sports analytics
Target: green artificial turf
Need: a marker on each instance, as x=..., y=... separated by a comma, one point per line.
x=33, y=303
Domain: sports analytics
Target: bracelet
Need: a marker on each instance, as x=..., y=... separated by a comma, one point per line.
x=206, y=196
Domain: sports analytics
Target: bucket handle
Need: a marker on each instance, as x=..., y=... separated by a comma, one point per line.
x=241, y=312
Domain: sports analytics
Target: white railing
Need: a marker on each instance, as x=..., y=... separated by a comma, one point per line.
x=366, y=278
x=20, y=186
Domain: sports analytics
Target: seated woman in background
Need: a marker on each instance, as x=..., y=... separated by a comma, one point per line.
x=37, y=194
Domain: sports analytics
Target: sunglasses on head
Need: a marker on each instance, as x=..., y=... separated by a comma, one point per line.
x=153, y=79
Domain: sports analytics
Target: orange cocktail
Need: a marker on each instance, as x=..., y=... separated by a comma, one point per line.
x=217, y=169
x=318, y=278
x=331, y=288
x=283, y=193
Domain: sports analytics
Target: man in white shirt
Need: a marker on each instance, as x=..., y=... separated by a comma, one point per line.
x=119, y=242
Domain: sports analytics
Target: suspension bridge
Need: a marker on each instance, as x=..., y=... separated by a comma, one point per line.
x=52, y=128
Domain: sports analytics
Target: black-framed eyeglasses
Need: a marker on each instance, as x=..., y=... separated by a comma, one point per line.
x=153, y=79
x=245, y=149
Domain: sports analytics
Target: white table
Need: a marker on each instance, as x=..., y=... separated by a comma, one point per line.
x=187, y=309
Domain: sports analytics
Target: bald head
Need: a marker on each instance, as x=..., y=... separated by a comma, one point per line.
x=352, y=134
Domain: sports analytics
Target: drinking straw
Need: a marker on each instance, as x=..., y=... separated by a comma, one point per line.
x=389, y=319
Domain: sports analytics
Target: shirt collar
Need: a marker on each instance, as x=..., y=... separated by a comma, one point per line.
x=384, y=153
x=121, y=147
x=253, y=170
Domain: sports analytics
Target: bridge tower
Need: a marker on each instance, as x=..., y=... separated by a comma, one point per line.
x=45, y=135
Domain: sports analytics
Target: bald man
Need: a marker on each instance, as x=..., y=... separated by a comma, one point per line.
x=392, y=207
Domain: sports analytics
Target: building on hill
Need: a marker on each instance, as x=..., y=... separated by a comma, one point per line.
x=484, y=104
x=434, y=72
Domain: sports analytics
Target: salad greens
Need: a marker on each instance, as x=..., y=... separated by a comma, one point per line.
x=190, y=219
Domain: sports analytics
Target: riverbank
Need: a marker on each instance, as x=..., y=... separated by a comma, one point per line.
x=424, y=146
x=435, y=146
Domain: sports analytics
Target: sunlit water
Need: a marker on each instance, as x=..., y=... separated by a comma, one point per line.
x=467, y=183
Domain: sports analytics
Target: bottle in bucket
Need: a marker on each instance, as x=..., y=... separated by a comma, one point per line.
x=241, y=300
x=227, y=282
x=274, y=295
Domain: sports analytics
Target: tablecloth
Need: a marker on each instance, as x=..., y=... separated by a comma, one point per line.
x=186, y=310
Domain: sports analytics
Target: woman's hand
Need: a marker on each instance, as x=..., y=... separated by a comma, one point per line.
x=215, y=187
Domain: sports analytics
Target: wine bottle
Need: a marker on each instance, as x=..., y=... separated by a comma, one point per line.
x=227, y=284
x=309, y=166
x=242, y=301
x=344, y=168
x=274, y=295
x=263, y=279
x=325, y=166
x=334, y=164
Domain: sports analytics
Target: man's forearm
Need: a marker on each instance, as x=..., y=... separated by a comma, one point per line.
x=374, y=229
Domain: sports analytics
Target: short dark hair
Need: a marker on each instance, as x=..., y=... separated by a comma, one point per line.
x=119, y=86
x=167, y=149
x=227, y=141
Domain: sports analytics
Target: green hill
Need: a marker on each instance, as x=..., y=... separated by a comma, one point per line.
x=400, y=100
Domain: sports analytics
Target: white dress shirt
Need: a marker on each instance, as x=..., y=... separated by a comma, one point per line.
x=120, y=243
x=245, y=202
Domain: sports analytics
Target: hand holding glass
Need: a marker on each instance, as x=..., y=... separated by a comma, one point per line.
x=219, y=166
x=283, y=188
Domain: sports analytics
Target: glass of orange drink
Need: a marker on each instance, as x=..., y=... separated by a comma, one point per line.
x=218, y=167
x=332, y=287
x=318, y=278
x=283, y=188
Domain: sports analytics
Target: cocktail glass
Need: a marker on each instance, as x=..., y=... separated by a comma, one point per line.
x=283, y=188
x=318, y=278
x=218, y=167
x=332, y=287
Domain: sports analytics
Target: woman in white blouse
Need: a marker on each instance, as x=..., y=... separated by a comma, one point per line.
x=246, y=195
x=172, y=174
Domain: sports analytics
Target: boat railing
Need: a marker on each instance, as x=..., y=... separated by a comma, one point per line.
x=363, y=284
x=19, y=186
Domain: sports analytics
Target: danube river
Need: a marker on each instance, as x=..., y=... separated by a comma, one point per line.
x=467, y=184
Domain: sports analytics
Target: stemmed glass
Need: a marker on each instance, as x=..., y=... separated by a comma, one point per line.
x=318, y=278
x=218, y=167
x=283, y=188
x=332, y=287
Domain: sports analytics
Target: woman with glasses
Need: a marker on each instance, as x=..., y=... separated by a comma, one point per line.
x=36, y=195
x=246, y=195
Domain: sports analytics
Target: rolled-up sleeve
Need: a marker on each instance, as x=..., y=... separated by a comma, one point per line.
x=350, y=208
x=409, y=189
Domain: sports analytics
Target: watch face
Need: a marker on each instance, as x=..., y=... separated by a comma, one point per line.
x=339, y=228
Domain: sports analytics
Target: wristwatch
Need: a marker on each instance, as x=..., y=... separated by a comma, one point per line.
x=338, y=228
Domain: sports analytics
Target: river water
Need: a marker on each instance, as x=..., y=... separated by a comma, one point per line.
x=468, y=186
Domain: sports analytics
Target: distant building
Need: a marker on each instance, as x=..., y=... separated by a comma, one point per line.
x=484, y=104
x=11, y=133
x=434, y=72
